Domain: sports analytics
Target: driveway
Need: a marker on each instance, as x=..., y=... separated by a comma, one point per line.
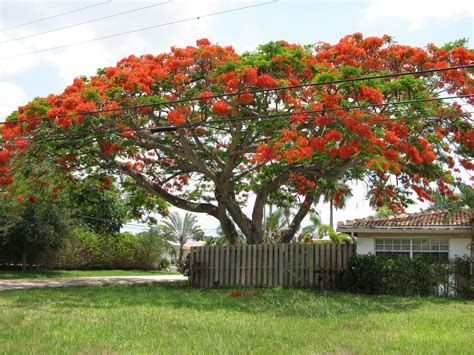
x=14, y=284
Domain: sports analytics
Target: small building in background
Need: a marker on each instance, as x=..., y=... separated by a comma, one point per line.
x=191, y=243
x=426, y=234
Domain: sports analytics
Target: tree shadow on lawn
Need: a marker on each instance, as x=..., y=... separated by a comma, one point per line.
x=277, y=302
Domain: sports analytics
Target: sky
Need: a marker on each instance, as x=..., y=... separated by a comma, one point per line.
x=24, y=76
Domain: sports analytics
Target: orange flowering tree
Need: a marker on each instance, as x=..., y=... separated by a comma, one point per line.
x=210, y=154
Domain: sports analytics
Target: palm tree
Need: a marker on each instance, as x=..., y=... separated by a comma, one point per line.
x=319, y=229
x=333, y=235
x=181, y=229
x=221, y=239
x=275, y=222
x=336, y=194
x=313, y=227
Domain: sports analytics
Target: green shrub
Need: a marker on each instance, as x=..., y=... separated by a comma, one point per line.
x=86, y=249
x=462, y=282
x=403, y=276
x=164, y=264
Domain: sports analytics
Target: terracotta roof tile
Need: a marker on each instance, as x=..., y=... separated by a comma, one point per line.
x=431, y=218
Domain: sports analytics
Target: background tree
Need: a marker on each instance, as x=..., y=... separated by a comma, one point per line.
x=384, y=211
x=27, y=229
x=312, y=228
x=154, y=244
x=181, y=229
x=464, y=198
x=99, y=204
x=316, y=229
x=209, y=154
x=336, y=194
x=335, y=237
x=275, y=223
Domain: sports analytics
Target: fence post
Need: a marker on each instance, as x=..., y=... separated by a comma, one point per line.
x=237, y=264
x=191, y=266
x=271, y=267
x=311, y=249
x=200, y=270
x=281, y=278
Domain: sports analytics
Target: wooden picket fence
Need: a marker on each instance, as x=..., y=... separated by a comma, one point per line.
x=270, y=265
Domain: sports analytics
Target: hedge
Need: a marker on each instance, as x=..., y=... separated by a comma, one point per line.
x=404, y=276
x=85, y=249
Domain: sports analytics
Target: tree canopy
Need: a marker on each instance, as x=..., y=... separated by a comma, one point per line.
x=184, y=127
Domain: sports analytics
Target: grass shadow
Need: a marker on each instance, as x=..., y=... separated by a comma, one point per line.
x=273, y=302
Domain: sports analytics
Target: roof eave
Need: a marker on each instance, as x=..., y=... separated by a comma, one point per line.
x=427, y=229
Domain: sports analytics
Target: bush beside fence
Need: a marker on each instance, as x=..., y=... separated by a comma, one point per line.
x=270, y=265
x=407, y=277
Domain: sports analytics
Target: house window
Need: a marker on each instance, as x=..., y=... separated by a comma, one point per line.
x=392, y=247
x=432, y=249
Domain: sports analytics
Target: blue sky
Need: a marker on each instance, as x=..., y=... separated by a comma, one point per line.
x=410, y=22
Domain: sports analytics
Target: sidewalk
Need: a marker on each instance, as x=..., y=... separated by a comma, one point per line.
x=13, y=284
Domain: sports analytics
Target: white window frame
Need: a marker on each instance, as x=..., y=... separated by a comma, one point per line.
x=411, y=239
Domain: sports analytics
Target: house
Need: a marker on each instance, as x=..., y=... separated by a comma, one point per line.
x=186, y=248
x=189, y=244
x=426, y=234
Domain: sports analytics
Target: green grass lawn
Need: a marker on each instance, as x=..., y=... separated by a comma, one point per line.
x=173, y=318
x=77, y=273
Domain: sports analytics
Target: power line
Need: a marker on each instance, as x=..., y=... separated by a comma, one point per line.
x=142, y=29
x=106, y=220
x=53, y=16
x=267, y=117
x=237, y=93
x=135, y=225
x=86, y=22
x=285, y=114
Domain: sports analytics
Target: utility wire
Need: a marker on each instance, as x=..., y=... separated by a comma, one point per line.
x=77, y=137
x=142, y=29
x=105, y=220
x=53, y=16
x=285, y=114
x=267, y=117
x=132, y=225
x=237, y=93
x=87, y=22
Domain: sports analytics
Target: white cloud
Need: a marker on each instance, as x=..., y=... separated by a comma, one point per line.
x=417, y=12
x=86, y=58
x=11, y=96
x=71, y=61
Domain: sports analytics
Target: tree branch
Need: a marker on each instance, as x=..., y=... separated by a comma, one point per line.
x=172, y=199
x=289, y=233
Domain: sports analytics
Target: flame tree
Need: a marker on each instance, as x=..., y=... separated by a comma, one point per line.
x=219, y=152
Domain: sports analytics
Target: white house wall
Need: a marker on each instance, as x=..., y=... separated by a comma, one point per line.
x=365, y=245
x=458, y=247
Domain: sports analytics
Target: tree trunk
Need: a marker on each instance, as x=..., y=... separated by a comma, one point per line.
x=257, y=235
x=181, y=251
x=251, y=228
x=23, y=260
x=228, y=226
x=331, y=213
x=288, y=234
